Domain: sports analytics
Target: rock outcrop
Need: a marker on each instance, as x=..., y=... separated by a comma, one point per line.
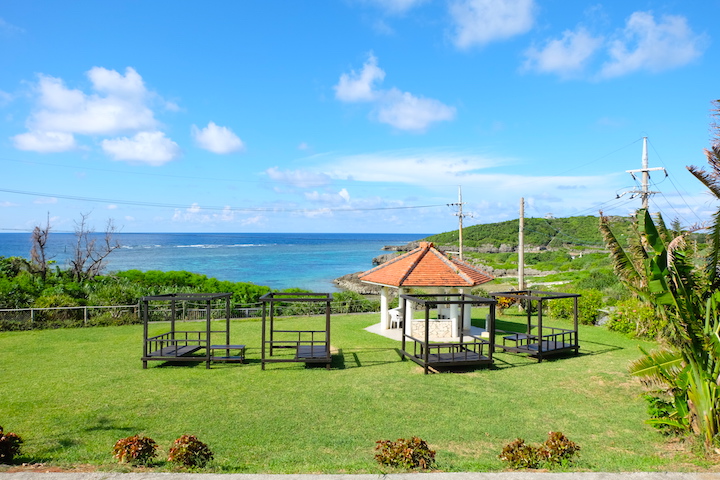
x=352, y=283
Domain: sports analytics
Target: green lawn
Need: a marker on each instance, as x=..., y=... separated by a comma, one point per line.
x=72, y=393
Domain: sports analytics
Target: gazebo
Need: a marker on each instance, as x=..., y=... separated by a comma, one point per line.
x=430, y=270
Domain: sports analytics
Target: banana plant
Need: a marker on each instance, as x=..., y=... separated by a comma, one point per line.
x=658, y=269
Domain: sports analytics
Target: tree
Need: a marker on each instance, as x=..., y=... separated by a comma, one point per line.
x=89, y=257
x=38, y=254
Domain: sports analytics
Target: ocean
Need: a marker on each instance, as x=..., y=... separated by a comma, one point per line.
x=278, y=260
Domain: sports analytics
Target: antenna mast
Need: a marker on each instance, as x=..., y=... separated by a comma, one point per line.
x=644, y=192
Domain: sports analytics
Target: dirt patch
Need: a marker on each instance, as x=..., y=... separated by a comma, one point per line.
x=45, y=468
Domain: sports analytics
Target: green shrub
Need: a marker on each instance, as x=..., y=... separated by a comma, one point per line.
x=635, y=318
x=588, y=305
x=9, y=446
x=556, y=450
x=189, y=452
x=135, y=449
x=664, y=415
x=407, y=454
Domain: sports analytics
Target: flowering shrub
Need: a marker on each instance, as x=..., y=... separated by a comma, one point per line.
x=188, y=451
x=503, y=303
x=9, y=446
x=408, y=454
x=557, y=450
x=633, y=317
x=135, y=449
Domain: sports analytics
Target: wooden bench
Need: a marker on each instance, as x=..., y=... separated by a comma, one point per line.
x=239, y=358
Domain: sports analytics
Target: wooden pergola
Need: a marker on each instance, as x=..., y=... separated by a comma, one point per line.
x=188, y=345
x=465, y=351
x=309, y=346
x=539, y=340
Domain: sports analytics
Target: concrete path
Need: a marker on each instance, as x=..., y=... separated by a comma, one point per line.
x=394, y=476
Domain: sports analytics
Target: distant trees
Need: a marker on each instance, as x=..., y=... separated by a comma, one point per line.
x=89, y=255
x=38, y=252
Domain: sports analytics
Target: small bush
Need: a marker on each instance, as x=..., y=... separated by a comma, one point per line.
x=503, y=303
x=635, y=318
x=189, y=452
x=9, y=446
x=519, y=454
x=557, y=450
x=135, y=449
x=407, y=454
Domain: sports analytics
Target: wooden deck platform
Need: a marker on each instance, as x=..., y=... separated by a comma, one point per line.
x=173, y=351
x=313, y=352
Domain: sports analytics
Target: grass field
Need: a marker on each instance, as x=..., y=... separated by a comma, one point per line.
x=72, y=393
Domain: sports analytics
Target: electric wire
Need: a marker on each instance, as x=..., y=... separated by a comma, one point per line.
x=223, y=208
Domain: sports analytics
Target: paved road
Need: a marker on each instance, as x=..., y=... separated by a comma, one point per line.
x=395, y=476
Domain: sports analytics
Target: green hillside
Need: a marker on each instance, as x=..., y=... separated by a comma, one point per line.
x=581, y=232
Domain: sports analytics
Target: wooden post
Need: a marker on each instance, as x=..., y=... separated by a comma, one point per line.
x=262, y=341
x=208, y=331
x=426, y=353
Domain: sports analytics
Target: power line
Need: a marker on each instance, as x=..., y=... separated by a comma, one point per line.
x=223, y=208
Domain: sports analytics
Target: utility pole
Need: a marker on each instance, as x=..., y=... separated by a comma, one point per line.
x=521, y=247
x=644, y=192
x=460, y=216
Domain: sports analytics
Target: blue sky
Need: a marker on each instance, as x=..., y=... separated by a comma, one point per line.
x=349, y=115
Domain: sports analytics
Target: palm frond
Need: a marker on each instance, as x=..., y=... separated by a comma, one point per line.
x=662, y=364
x=623, y=264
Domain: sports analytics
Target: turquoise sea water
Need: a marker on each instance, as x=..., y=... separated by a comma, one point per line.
x=279, y=260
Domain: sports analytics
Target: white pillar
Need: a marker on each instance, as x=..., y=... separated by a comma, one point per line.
x=384, y=314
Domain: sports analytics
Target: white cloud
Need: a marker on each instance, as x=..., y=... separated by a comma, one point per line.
x=479, y=22
x=320, y=212
x=122, y=108
x=566, y=56
x=358, y=87
x=405, y=111
x=44, y=142
x=9, y=28
x=5, y=98
x=645, y=44
x=195, y=214
x=217, y=139
x=255, y=220
x=117, y=103
x=45, y=201
x=343, y=196
x=402, y=110
x=431, y=167
x=298, y=178
x=152, y=148
x=7, y=204
x=396, y=6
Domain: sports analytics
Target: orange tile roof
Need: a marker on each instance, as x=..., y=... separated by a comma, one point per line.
x=425, y=267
